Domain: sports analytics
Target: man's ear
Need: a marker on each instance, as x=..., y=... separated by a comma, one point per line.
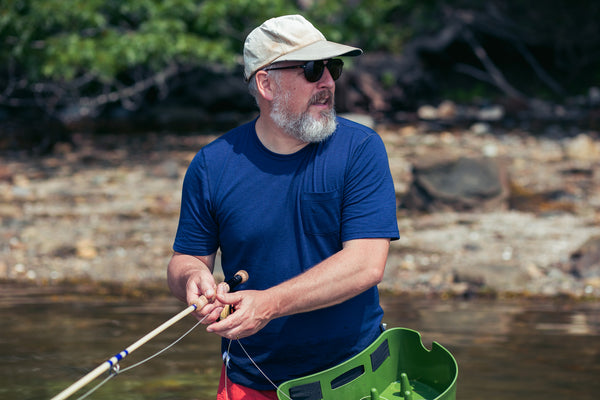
x=265, y=85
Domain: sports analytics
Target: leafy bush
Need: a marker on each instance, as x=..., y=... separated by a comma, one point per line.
x=56, y=53
x=63, y=39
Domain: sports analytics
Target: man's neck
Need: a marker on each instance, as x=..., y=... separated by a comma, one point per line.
x=275, y=139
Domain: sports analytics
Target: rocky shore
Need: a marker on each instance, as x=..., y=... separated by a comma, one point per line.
x=104, y=210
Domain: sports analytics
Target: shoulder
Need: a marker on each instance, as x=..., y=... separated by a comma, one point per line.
x=226, y=145
x=231, y=139
x=357, y=138
x=354, y=128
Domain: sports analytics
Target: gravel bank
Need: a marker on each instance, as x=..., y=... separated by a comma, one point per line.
x=106, y=210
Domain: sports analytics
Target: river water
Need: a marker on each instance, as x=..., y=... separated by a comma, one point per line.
x=505, y=349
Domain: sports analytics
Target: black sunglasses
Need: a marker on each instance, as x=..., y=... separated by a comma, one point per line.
x=313, y=70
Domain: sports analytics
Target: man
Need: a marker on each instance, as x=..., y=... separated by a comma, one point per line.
x=300, y=199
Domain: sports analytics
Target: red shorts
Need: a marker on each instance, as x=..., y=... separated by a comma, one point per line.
x=239, y=392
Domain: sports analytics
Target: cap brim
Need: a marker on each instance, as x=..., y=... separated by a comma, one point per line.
x=321, y=50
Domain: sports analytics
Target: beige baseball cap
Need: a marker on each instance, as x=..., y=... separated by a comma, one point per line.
x=289, y=38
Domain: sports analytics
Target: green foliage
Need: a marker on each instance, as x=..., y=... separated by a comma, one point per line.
x=373, y=25
x=57, y=51
x=63, y=39
x=60, y=39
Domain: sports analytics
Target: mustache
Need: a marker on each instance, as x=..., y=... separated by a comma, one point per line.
x=323, y=97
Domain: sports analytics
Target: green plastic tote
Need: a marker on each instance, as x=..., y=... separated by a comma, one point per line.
x=396, y=366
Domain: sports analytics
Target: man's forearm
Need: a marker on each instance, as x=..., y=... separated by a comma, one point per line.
x=351, y=271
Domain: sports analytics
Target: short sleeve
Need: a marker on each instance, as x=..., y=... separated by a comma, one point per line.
x=197, y=232
x=369, y=204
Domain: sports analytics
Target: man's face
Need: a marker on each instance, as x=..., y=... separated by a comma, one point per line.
x=304, y=110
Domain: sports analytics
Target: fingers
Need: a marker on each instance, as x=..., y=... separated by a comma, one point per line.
x=226, y=325
x=201, y=291
x=228, y=298
x=208, y=299
x=222, y=288
x=246, y=320
x=199, y=284
x=236, y=326
x=230, y=327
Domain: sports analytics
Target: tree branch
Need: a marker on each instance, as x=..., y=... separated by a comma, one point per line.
x=540, y=72
x=495, y=74
x=474, y=72
x=53, y=96
x=129, y=92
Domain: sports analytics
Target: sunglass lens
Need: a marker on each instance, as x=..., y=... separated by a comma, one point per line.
x=335, y=68
x=313, y=71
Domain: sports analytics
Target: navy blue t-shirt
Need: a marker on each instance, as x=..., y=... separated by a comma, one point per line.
x=278, y=215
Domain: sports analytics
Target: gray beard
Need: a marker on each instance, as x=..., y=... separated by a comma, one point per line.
x=303, y=126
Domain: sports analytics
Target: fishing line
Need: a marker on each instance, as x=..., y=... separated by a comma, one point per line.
x=116, y=371
x=163, y=350
x=226, y=361
x=261, y=371
x=92, y=390
x=112, y=364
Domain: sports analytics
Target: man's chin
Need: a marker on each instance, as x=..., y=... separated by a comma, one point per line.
x=324, y=129
x=320, y=110
x=312, y=126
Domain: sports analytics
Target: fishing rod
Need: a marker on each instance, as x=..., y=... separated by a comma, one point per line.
x=239, y=277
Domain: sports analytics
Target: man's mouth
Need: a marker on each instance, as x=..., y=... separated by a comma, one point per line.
x=322, y=98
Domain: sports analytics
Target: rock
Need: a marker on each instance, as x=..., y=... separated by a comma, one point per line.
x=427, y=113
x=167, y=169
x=460, y=185
x=585, y=261
x=592, y=283
x=527, y=200
x=21, y=192
x=363, y=119
x=583, y=148
x=492, y=113
x=481, y=128
x=496, y=277
x=86, y=249
x=447, y=110
x=6, y=174
x=120, y=193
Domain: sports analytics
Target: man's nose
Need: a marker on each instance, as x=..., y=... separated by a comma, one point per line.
x=326, y=80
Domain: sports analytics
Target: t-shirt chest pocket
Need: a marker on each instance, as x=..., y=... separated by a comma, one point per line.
x=321, y=212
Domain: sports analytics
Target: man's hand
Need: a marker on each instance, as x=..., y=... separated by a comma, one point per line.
x=252, y=313
x=198, y=285
x=190, y=277
x=345, y=274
